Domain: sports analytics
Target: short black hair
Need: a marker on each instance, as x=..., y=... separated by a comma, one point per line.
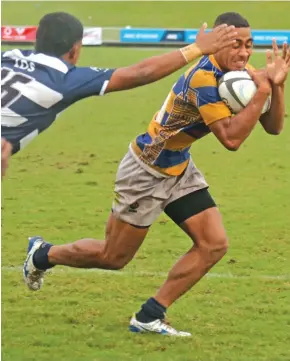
x=57, y=33
x=232, y=18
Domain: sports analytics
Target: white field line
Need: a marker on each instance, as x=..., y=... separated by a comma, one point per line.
x=226, y=276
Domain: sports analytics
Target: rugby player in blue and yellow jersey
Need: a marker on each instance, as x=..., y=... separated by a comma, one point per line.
x=158, y=175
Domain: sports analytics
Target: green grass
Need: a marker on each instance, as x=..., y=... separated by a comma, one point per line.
x=184, y=14
x=61, y=187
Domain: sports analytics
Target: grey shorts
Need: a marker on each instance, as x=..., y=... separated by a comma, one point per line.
x=140, y=197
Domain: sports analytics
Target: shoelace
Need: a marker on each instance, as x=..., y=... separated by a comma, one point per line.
x=168, y=325
x=166, y=322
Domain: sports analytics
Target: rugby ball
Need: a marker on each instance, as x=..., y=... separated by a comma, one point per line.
x=236, y=88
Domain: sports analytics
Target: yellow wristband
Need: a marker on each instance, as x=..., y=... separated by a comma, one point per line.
x=191, y=52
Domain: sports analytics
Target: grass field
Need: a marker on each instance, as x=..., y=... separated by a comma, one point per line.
x=61, y=187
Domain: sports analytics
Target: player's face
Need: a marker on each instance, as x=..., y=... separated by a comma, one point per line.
x=236, y=56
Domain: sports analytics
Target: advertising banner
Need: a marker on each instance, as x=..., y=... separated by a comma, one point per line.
x=132, y=35
x=27, y=34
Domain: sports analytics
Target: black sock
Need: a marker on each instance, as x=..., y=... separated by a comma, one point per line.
x=40, y=257
x=151, y=311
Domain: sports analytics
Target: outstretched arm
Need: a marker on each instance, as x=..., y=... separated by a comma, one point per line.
x=157, y=67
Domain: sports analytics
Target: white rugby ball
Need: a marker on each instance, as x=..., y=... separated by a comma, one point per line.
x=236, y=88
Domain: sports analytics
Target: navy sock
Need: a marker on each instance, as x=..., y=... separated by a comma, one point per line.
x=151, y=311
x=40, y=257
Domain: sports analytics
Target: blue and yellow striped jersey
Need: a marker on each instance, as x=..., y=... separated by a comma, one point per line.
x=191, y=105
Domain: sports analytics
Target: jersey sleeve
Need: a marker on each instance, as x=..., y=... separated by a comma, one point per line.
x=208, y=101
x=83, y=82
x=250, y=67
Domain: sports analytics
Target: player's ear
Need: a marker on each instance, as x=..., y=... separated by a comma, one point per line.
x=72, y=53
x=75, y=52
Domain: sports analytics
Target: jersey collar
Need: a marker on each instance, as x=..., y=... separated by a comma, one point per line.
x=214, y=62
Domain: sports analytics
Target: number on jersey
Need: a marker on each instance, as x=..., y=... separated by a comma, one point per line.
x=9, y=78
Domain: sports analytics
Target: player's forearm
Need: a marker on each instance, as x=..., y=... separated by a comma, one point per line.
x=157, y=67
x=241, y=125
x=152, y=69
x=273, y=121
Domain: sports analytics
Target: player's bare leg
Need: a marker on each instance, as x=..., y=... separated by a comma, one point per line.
x=122, y=242
x=210, y=245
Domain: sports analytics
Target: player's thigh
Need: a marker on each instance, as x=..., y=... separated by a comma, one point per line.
x=206, y=230
x=134, y=209
x=196, y=213
x=194, y=210
x=140, y=196
x=198, y=216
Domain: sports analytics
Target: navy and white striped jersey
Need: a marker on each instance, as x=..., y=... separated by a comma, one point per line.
x=36, y=87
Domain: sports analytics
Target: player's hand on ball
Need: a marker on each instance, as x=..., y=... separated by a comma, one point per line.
x=217, y=39
x=261, y=80
x=278, y=67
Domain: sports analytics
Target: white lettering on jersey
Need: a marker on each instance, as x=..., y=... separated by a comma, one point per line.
x=39, y=58
x=24, y=65
x=99, y=69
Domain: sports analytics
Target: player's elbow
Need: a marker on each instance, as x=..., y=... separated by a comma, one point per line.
x=138, y=77
x=274, y=131
x=147, y=72
x=231, y=145
x=273, y=126
x=130, y=77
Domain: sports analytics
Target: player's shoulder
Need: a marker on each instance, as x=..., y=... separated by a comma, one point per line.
x=204, y=73
x=85, y=74
x=90, y=70
x=43, y=61
x=15, y=53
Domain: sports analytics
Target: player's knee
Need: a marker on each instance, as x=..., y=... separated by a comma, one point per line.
x=218, y=248
x=214, y=249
